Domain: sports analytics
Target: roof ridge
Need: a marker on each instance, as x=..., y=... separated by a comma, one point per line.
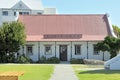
x=66, y=15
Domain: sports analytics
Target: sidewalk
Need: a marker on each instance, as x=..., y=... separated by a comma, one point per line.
x=63, y=72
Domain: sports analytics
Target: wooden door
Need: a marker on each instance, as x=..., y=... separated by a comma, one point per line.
x=63, y=52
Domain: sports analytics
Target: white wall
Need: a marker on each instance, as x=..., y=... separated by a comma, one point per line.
x=57, y=54
x=35, y=12
x=98, y=57
x=49, y=10
x=83, y=50
x=10, y=16
x=42, y=49
x=35, y=50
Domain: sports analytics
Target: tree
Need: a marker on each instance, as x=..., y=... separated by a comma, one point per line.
x=12, y=36
x=110, y=44
x=102, y=46
x=116, y=30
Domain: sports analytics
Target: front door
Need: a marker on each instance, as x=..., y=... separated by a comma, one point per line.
x=63, y=52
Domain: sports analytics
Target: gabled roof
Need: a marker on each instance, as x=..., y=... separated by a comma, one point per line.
x=32, y=4
x=57, y=27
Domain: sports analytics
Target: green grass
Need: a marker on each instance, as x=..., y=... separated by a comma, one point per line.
x=88, y=66
x=96, y=74
x=32, y=72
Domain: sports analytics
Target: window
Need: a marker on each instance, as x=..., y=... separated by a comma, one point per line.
x=48, y=50
x=39, y=13
x=5, y=13
x=77, y=49
x=24, y=13
x=30, y=50
x=20, y=5
x=95, y=50
x=14, y=13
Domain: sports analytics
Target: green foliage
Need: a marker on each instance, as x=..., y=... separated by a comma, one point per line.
x=116, y=30
x=113, y=44
x=49, y=60
x=23, y=59
x=110, y=44
x=12, y=36
x=102, y=46
x=53, y=60
x=7, y=58
x=43, y=59
x=76, y=61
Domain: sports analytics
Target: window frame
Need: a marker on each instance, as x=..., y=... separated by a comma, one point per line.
x=29, y=53
x=24, y=13
x=49, y=52
x=95, y=52
x=5, y=13
x=14, y=13
x=39, y=13
x=76, y=47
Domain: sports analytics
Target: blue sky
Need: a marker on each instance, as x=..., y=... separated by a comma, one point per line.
x=112, y=7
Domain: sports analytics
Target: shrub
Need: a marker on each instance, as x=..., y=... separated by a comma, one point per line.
x=23, y=59
x=53, y=60
x=93, y=62
x=76, y=61
x=4, y=58
x=42, y=59
x=11, y=58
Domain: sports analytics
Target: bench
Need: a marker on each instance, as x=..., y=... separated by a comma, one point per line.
x=10, y=75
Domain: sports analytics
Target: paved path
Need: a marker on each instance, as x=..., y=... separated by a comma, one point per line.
x=63, y=72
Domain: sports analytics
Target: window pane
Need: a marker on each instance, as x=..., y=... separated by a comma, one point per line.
x=29, y=50
x=39, y=13
x=95, y=50
x=48, y=50
x=5, y=13
x=77, y=49
x=14, y=13
x=24, y=13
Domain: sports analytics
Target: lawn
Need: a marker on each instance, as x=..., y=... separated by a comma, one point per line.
x=32, y=72
x=88, y=66
x=96, y=74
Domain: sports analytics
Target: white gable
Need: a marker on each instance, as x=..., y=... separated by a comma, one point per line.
x=32, y=4
x=20, y=5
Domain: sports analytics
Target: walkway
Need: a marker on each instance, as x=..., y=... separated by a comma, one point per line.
x=63, y=72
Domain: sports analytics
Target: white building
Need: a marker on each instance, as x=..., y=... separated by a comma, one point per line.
x=65, y=36
x=9, y=9
x=62, y=36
